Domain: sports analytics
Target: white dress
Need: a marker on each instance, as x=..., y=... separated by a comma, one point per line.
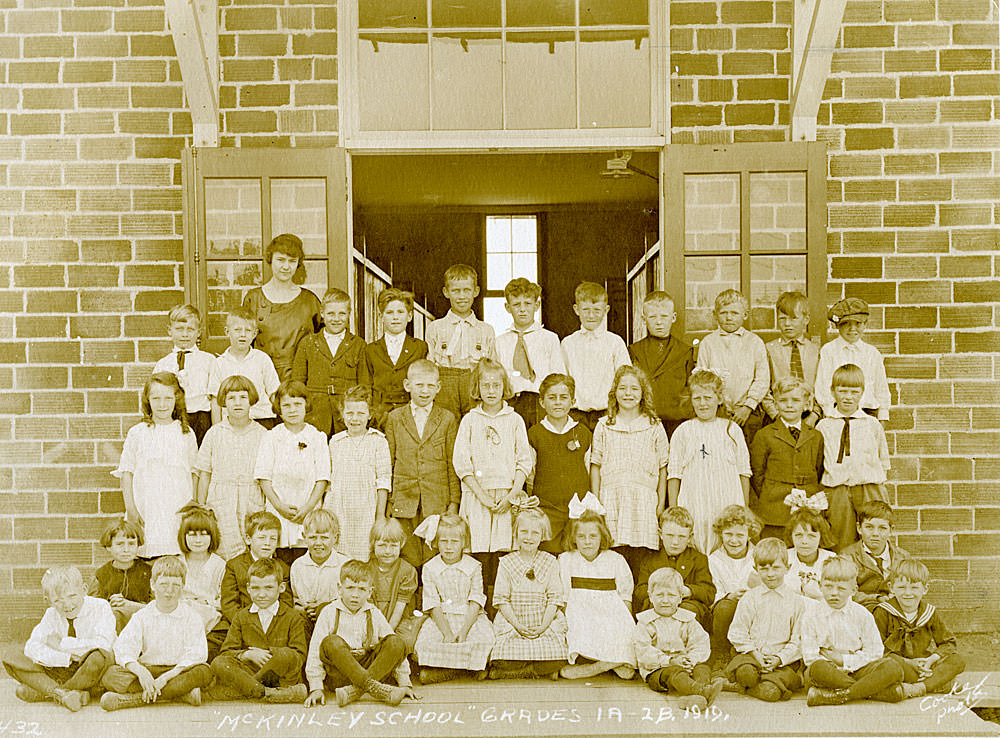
x=709, y=457
x=600, y=625
x=630, y=456
x=293, y=463
x=730, y=575
x=804, y=578
x=203, y=588
x=161, y=459
x=360, y=467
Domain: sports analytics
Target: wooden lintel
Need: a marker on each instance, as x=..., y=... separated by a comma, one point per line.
x=194, y=25
x=815, y=27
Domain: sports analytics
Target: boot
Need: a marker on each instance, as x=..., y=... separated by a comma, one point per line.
x=765, y=691
x=27, y=694
x=526, y=673
x=286, y=695
x=71, y=699
x=117, y=701
x=917, y=689
x=192, y=698
x=818, y=696
x=347, y=695
x=391, y=696
x=624, y=671
x=433, y=675
x=712, y=690
x=690, y=702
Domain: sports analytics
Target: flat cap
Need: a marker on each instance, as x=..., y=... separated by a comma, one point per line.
x=852, y=307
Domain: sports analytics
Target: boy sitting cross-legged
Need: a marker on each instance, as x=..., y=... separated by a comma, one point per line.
x=316, y=576
x=263, y=653
x=353, y=648
x=161, y=653
x=70, y=648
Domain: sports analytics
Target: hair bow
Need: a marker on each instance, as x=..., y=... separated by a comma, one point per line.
x=797, y=499
x=578, y=507
x=428, y=528
x=523, y=502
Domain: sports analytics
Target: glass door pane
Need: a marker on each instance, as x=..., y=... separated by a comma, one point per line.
x=298, y=205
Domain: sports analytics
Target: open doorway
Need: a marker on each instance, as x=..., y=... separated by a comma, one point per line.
x=560, y=218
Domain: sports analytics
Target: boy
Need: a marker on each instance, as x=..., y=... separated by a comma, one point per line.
x=765, y=629
x=670, y=647
x=459, y=340
x=677, y=553
x=263, y=530
x=241, y=358
x=191, y=365
x=528, y=352
x=330, y=362
x=593, y=354
x=70, y=648
x=667, y=360
x=388, y=359
x=353, y=647
x=740, y=359
x=841, y=647
x=161, y=653
x=266, y=646
x=875, y=556
x=850, y=317
x=855, y=455
x=315, y=576
x=914, y=635
x=421, y=438
x=792, y=353
x=785, y=455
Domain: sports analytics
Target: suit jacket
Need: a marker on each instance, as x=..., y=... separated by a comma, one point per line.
x=422, y=471
x=778, y=463
x=287, y=630
x=668, y=369
x=234, y=585
x=387, y=377
x=778, y=358
x=871, y=579
x=326, y=376
x=693, y=567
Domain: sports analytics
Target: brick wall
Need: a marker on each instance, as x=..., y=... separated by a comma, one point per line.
x=910, y=119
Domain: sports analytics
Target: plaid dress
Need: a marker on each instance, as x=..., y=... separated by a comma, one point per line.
x=529, y=586
x=361, y=467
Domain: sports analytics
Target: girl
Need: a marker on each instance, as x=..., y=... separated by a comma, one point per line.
x=805, y=530
x=530, y=626
x=199, y=540
x=293, y=464
x=493, y=459
x=157, y=465
x=598, y=584
x=732, y=569
x=561, y=446
x=361, y=476
x=628, y=464
x=457, y=637
x=226, y=462
x=395, y=580
x=123, y=581
x=709, y=462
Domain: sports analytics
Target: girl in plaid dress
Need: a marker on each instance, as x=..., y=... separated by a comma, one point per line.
x=362, y=475
x=530, y=626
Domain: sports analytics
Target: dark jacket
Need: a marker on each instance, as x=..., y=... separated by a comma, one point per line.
x=327, y=376
x=422, y=471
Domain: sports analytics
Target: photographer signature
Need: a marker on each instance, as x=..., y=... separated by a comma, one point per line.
x=959, y=700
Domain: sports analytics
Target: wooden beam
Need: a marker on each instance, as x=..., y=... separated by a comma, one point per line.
x=194, y=25
x=815, y=27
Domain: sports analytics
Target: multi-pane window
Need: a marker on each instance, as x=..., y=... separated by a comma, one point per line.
x=511, y=251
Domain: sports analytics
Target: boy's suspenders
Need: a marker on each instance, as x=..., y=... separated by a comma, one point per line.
x=368, y=643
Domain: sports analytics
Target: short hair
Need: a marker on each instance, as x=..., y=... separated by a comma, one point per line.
x=321, y=520
x=678, y=515
x=194, y=518
x=184, y=311
x=423, y=366
x=387, y=529
x=123, y=527
x=337, y=295
x=460, y=271
x=238, y=312
x=357, y=571
x=265, y=568
x=521, y=287
x=705, y=378
x=237, y=383
x=658, y=296
x=453, y=522
x=729, y=297
x=733, y=515
x=769, y=551
x=166, y=379
x=289, y=388
x=61, y=578
x=912, y=570
x=588, y=516
x=805, y=517
x=874, y=509
x=589, y=292
x=839, y=569
x=788, y=385
x=287, y=244
x=168, y=566
x=261, y=520
x=394, y=294
x=357, y=393
x=536, y=515
x=667, y=578
x=792, y=304
x=491, y=366
x=554, y=380
x=848, y=375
